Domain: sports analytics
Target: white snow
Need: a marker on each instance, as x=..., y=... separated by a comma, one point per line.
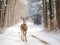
x=12, y=35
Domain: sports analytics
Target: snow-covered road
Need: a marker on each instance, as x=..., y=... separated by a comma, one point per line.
x=35, y=36
x=12, y=36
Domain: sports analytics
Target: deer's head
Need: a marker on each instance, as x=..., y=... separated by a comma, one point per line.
x=24, y=19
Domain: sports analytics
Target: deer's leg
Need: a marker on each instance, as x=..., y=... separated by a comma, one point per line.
x=22, y=35
x=25, y=35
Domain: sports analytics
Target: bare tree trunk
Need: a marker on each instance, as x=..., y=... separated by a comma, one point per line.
x=45, y=14
x=58, y=12
x=10, y=13
x=2, y=12
x=51, y=15
x=55, y=24
x=53, y=20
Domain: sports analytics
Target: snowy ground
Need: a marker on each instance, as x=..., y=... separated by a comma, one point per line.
x=35, y=36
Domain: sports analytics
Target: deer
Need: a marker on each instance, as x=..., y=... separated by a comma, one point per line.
x=24, y=29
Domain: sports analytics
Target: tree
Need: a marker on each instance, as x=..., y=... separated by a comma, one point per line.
x=58, y=12
x=35, y=10
x=45, y=13
x=49, y=10
x=53, y=19
x=2, y=12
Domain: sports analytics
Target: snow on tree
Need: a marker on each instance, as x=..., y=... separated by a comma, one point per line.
x=35, y=10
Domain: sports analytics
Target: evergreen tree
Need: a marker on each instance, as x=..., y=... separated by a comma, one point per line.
x=35, y=10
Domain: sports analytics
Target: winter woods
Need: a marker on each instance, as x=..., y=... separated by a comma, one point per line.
x=40, y=11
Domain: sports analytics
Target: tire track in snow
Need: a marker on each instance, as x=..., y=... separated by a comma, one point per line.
x=40, y=40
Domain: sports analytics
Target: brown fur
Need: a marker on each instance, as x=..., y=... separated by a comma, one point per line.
x=24, y=27
x=23, y=31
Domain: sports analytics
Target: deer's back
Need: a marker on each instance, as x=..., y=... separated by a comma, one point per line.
x=23, y=27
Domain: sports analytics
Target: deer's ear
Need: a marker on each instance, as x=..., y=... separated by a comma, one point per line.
x=27, y=18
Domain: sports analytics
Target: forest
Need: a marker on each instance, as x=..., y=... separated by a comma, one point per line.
x=42, y=18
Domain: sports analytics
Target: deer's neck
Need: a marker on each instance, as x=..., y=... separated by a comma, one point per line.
x=24, y=22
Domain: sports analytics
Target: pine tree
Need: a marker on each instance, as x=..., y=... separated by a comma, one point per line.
x=35, y=10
